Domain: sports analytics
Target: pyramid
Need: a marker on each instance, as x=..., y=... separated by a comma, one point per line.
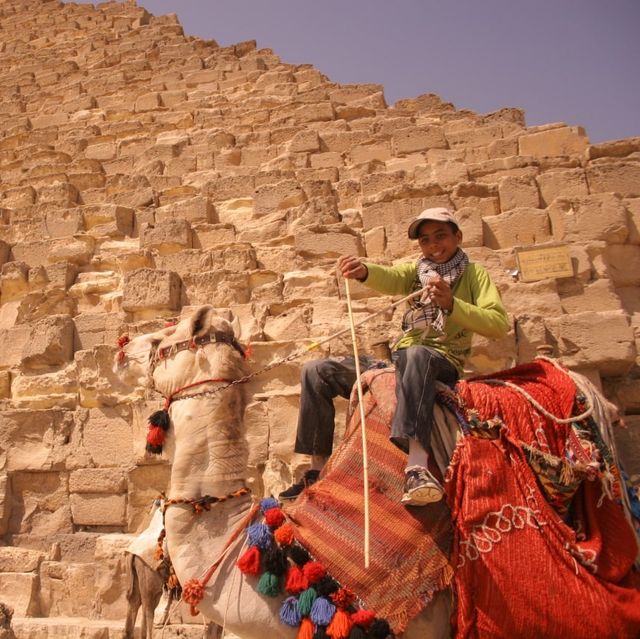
x=144, y=171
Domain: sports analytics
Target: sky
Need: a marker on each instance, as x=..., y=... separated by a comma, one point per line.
x=572, y=61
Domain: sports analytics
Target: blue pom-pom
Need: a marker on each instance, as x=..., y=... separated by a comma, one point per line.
x=259, y=535
x=322, y=612
x=289, y=612
x=269, y=502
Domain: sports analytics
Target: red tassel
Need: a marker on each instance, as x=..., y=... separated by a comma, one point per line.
x=306, y=629
x=123, y=340
x=249, y=563
x=192, y=593
x=155, y=436
x=296, y=581
x=248, y=351
x=274, y=517
x=363, y=617
x=314, y=571
x=342, y=598
x=340, y=625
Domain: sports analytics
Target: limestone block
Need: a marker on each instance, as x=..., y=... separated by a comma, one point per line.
x=603, y=340
x=14, y=281
x=196, y=209
x=108, y=219
x=40, y=503
x=97, y=509
x=110, y=575
x=614, y=176
x=230, y=187
x=577, y=296
x=503, y=148
x=282, y=417
x=318, y=112
x=309, y=284
x=623, y=262
x=305, y=141
x=475, y=136
x=19, y=197
x=595, y=217
x=633, y=208
x=563, y=140
x=625, y=392
x=50, y=343
x=470, y=223
x=66, y=590
x=630, y=299
x=483, y=198
x=445, y=173
x=5, y=249
x=148, y=290
x=628, y=444
x=169, y=236
x=285, y=325
x=60, y=194
x=489, y=355
x=532, y=298
x=98, y=480
x=64, y=222
x=49, y=120
x=265, y=288
x=207, y=236
x=91, y=285
x=108, y=438
x=569, y=183
x=413, y=139
x=101, y=149
x=517, y=192
x=14, y=559
x=20, y=591
x=218, y=288
x=518, y=227
x=374, y=183
x=78, y=250
x=364, y=153
x=375, y=241
x=55, y=389
x=279, y=196
x=147, y=102
x=12, y=343
x=320, y=241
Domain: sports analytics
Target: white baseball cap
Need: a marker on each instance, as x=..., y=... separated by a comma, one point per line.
x=437, y=214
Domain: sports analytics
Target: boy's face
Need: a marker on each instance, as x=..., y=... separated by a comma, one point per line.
x=438, y=241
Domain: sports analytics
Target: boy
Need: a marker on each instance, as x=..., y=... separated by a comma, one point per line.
x=459, y=299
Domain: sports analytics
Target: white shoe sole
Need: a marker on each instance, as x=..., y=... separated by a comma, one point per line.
x=422, y=496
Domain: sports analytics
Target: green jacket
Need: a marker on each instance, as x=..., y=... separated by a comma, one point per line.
x=477, y=308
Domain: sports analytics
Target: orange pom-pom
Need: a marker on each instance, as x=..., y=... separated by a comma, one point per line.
x=284, y=534
x=342, y=597
x=192, y=593
x=340, y=625
x=296, y=581
x=274, y=517
x=155, y=436
x=249, y=563
x=363, y=617
x=306, y=629
x=314, y=571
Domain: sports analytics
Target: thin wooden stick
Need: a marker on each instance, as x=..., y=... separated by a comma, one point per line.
x=365, y=464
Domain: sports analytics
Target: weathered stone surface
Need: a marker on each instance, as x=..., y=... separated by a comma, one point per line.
x=50, y=343
x=518, y=227
x=596, y=217
x=553, y=141
x=569, y=183
x=97, y=509
x=146, y=289
x=614, y=176
x=20, y=591
x=170, y=236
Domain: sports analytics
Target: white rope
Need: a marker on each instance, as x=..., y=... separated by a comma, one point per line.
x=365, y=465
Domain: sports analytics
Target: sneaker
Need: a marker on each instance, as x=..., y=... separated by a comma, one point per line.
x=308, y=479
x=420, y=487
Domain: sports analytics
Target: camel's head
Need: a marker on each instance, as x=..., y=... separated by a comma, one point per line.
x=201, y=346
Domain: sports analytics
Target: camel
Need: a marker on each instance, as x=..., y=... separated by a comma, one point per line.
x=194, y=365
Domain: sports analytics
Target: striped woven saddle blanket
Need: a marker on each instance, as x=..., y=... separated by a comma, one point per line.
x=409, y=547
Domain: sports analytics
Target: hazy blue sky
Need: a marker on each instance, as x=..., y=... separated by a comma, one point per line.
x=573, y=61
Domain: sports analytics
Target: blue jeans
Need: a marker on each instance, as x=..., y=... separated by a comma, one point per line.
x=417, y=369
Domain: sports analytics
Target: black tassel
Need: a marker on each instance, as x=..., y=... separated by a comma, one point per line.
x=161, y=418
x=357, y=633
x=379, y=629
x=326, y=586
x=275, y=561
x=298, y=555
x=321, y=633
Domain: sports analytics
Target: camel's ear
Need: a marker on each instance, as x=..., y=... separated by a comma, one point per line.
x=201, y=321
x=235, y=325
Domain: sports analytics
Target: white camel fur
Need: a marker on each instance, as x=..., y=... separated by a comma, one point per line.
x=210, y=454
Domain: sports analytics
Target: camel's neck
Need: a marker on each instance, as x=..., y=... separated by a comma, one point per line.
x=210, y=448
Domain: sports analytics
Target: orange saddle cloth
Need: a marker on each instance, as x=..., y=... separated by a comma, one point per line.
x=409, y=547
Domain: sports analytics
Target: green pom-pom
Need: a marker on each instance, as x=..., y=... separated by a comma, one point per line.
x=305, y=601
x=269, y=584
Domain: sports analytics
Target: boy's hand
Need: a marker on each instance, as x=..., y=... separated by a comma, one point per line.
x=440, y=292
x=352, y=268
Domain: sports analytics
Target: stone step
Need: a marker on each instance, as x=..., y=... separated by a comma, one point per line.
x=84, y=628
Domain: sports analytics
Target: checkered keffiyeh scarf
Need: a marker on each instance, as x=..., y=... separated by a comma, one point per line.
x=425, y=313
